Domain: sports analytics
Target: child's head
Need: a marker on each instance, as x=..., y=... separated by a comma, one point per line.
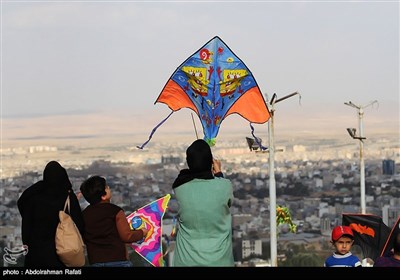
x=95, y=189
x=342, y=239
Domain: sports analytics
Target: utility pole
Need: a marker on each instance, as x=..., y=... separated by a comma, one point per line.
x=272, y=183
x=352, y=133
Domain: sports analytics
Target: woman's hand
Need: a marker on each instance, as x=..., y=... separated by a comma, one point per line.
x=145, y=231
x=216, y=167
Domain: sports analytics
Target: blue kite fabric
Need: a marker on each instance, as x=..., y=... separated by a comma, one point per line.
x=214, y=83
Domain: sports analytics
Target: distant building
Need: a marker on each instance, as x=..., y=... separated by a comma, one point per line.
x=170, y=159
x=319, y=183
x=388, y=167
x=241, y=219
x=338, y=179
x=325, y=226
x=390, y=214
x=251, y=247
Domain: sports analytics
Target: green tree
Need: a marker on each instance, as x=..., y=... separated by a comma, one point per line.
x=303, y=260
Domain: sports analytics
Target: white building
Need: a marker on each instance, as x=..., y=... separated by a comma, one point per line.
x=251, y=247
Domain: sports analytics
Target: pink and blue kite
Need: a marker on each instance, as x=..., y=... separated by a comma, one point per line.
x=150, y=217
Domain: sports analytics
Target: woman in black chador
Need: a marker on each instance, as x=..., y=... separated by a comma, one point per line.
x=39, y=206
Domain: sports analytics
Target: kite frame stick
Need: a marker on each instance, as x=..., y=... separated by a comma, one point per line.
x=194, y=125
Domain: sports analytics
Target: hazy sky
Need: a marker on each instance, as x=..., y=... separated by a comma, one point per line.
x=109, y=57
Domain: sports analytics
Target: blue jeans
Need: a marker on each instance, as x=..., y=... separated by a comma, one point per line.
x=113, y=264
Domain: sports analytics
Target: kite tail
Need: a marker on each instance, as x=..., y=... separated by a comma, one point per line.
x=154, y=130
x=257, y=139
x=211, y=141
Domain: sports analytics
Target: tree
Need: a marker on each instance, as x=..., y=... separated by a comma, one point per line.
x=304, y=260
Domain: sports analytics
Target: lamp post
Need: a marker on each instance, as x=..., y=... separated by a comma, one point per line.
x=352, y=133
x=272, y=183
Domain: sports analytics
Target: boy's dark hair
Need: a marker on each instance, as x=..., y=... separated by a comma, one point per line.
x=93, y=189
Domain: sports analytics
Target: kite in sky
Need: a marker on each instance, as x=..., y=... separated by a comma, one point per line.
x=150, y=217
x=214, y=83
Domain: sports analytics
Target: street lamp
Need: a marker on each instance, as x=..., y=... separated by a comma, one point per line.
x=353, y=134
x=272, y=183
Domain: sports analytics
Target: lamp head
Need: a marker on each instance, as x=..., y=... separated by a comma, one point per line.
x=352, y=132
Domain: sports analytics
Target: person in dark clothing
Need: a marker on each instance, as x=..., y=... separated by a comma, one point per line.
x=107, y=230
x=39, y=206
x=393, y=260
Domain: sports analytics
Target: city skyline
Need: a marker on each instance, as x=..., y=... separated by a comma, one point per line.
x=323, y=188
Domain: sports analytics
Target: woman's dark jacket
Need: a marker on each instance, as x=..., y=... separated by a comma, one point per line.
x=39, y=206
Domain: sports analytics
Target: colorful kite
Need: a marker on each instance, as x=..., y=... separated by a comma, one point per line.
x=150, y=217
x=214, y=83
x=370, y=233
